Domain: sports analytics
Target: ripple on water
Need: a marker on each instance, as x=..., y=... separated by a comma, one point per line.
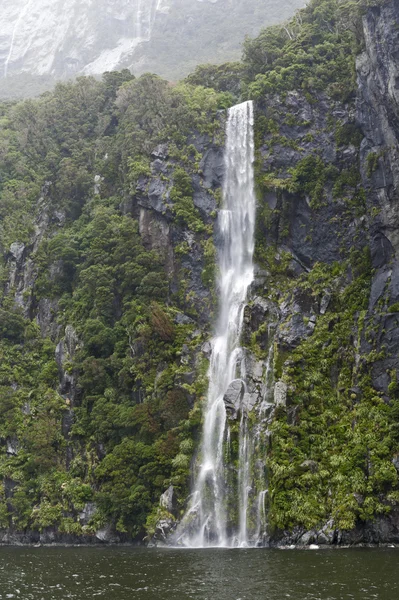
x=127, y=573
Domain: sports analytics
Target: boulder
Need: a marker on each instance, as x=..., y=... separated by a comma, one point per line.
x=233, y=397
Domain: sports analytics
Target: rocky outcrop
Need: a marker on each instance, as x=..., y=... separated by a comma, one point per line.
x=280, y=393
x=378, y=115
x=233, y=397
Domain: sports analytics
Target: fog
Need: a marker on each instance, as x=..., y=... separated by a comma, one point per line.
x=54, y=39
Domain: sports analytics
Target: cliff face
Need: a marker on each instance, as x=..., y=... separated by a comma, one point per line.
x=106, y=303
x=109, y=193
x=378, y=114
x=52, y=40
x=327, y=243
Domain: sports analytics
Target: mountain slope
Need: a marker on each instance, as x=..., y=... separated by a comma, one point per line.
x=53, y=39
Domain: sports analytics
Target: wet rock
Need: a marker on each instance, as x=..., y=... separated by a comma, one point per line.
x=207, y=349
x=107, y=535
x=154, y=195
x=97, y=184
x=17, y=250
x=47, y=317
x=233, y=397
x=161, y=152
x=311, y=324
x=267, y=409
x=250, y=401
x=212, y=167
x=158, y=166
x=378, y=286
x=202, y=199
x=68, y=419
x=64, y=352
x=293, y=415
x=12, y=446
x=327, y=534
x=293, y=331
x=163, y=529
x=260, y=277
x=71, y=340
x=59, y=217
x=87, y=513
x=168, y=500
x=155, y=233
x=255, y=368
x=189, y=378
x=308, y=538
x=181, y=319
x=325, y=302
x=280, y=393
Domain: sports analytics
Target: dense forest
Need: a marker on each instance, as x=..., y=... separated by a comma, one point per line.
x=109, y=193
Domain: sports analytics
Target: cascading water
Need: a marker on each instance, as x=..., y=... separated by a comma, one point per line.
x=145, y=17
x=18, y=22
x=207, y=522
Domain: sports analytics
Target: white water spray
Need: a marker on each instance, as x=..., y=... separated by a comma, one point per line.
x=18, y=22
x=261, y=514
x=145, y=17
x=206, y=522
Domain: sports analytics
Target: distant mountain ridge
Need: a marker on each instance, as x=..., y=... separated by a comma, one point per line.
x=53, y=39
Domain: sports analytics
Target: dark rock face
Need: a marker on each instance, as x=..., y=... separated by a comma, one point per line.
x=305, y=232
x=324, y=236
x=212, y=166
x=378, y=114
x=233, y=397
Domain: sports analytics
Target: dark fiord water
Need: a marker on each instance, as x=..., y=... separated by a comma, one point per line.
x=207, y=574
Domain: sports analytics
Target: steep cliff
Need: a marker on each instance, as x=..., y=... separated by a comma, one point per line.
x=327, y=243
x=109, y=196
x=108, y=199
x=43, y=41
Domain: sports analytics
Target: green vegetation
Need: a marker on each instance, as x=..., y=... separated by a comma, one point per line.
x=335, y=420
x=314, y=51
x=341, y=422
x=107, y=274
x=119, y=428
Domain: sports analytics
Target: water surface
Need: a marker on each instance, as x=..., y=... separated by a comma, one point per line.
x=211, y=574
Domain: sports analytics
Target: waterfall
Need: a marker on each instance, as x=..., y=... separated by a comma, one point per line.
x=145, y=17
x=261, y=515
x=207, y=521
x=19, y=20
